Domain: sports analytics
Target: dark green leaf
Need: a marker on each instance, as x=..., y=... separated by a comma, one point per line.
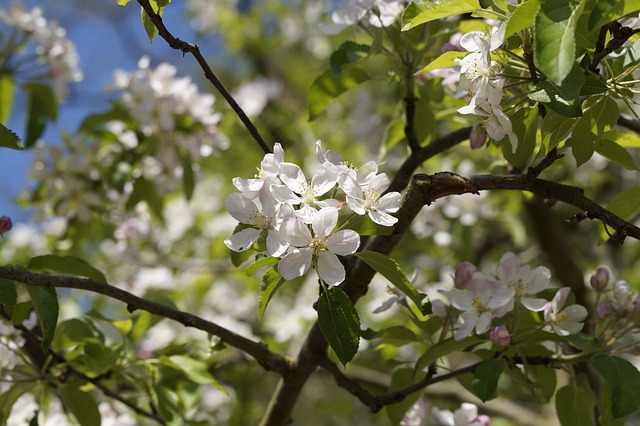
x=396, y=335
x=145, y=190
x=485, y=379
x=574, y=406
x=402, y=378
x=339, y=323
x=525, y=126
x=593, y=86
x=81, y=404
x=8, y=139
x=440, y=11
x=555, y=39
x=548, y=94
x=66, y=265
x=42, y=107
x=72, y=332
x=327, y=87
x=522, y=18
x=21, y=312
x=348, y=53
x=555, y=128
x=604, y=11
x=624, y=381
x=188, y=177
x=271, y=282
x=582, y=141
x=45, y=302
x=389, y=269
x=8, y=295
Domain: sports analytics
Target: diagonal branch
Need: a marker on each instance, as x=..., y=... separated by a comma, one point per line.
x=267, y=359
x=185, y=47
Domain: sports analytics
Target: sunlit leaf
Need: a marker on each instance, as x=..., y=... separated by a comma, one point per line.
x=523, y=17
x=446, y=60
x=348, y=53
x=271, y=282
x=327, y=87
x=441, y=11
x=7, y=91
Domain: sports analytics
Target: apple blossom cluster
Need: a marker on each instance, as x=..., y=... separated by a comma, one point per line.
x=379, y=13
x=466, y=415
x=53, y=49
x=478, y=299
x=161, y=102
x=479, y=77
x=298, y=217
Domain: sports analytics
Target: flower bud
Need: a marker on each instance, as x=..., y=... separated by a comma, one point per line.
x=478, y=137
x=5, y=224
x=600, y=279
x=603, y=309
x=500, y=336
x=462, y=274
x=622, y=292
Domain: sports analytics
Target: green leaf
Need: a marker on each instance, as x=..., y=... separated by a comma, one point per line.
x=81, y=404
x=7, y=91
x=444, y=348
x=326, y=88
x=574, y=406
x=67, y=265
x=441, y=11
x=339, y=323
x=150, y=29
x=42, y=108
x=626, y=204
x=555, y=128
x=485, y=379
x=603, y=113
x=616, y=154
x=45, y=302
x=604, y=11
x=401, y=379
x=522, y=18
x=8, y=139
x=548, y=94
x=188, y=177
x=396, y=335
x=555, y=39
x=259, y=264
x=9, y=397
x=123, y=2
x=628, y=139
x=195, y=370
x=145, y=190
x=593, y=86
x=525, y=126
x=446, y=60
x=348, y=53
x=624, y=381
x=21, y=312
x=630, y=6
x=8, y=295
x=72, y=332
x=390, y=269
x=582, y=141
x=271, y=282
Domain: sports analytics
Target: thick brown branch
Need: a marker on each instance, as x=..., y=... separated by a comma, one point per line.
x=267, y=359
x=185, y=47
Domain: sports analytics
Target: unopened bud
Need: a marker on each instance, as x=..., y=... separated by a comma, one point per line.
x=600, y=279
x=603, y=309
x=622, y=292
x=5, y=224
x=462, y=274
x=500, y=335
x=478, y=137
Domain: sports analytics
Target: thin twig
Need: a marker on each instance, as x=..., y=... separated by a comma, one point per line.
x=193, y=49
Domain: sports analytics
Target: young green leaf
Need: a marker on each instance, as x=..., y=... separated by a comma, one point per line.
x=548, y=94
x=195, y=370
x=81, y=404
x=555, y=38
x=45, y=302
x=485, y=379
x=42, y=107
x=66, y=265
x=259, y=264
x=8, y=295
x=446, y=60
x=151, y=29
x=339, y=323
x=348, y=53
x=574, y=406
x=441, y=11
x=444, y=348
x=522, y=18
x=626, y=204
x=7, y=91
x=271, y=282
x=389, y=269
x=9, y=397
x=8, y=139
x=326, y=88
x=623, y=378
x=616, y=154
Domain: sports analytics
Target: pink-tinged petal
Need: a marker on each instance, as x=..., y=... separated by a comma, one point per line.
x=324, y=221
x=379, y=183
x=349, y=185
x=330, y=269
x=323, y=180
x=293, y=176
x=439, y=308
x=381, y=218
x=558, y=300
x=469, y=320
x=356, y=204
x=295, y=263
x=538, y=280
x=276, y=244
x=250, y=188
x=483, y=323
x=243, y=240
x=508, y=268
x=242, y=209
x=284, y=194
x=386, y=305
x=460, y=299
x=278, y=152
x=389, y=203
x=442, y=417
x=344, y=242
x=366, y=172
x=535, y=305
x=295, y=232
x=329, y=202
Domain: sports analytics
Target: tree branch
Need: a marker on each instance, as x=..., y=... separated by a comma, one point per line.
x=266, y=358
x=193, y=49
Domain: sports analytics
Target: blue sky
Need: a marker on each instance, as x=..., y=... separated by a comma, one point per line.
x=107, y=37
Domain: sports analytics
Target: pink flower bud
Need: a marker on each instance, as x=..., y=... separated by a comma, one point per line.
x=478, y=137
x=603, y=309
x=600, y=279
x=500, y=336
x=462, y=274
x=5, y=224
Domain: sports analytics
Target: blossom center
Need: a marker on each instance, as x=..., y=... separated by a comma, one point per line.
x=370, y=198
x=318, y=244
x=308, y=197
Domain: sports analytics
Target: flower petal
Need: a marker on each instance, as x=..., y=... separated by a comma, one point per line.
x=293, y=176
x=295, y=263
x=243, y=240
x=325, y=221
x=295, y=232
x=330, y=269
x=381, y=218
x=242, y=209
x=389, y=203
x=344, y=242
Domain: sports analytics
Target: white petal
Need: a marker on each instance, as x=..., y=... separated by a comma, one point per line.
x=276, y=244
x=379, y=183
x=242, y=240
x=465, y=329
x=242, y=209
x=538, y=280
x=483, y=323
x=295, y=263
x=323, y=180
x=508, y=268
x=576, y=313
x=324, y=221
x=330, y=269
x=249, y=187
x=284, y=194
x=389, y=203
x=381, y=218
x=535, y=305
x=292, y=176
x=356, y=204
x=295, y=232
x=350, y=186
x=343, y=242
